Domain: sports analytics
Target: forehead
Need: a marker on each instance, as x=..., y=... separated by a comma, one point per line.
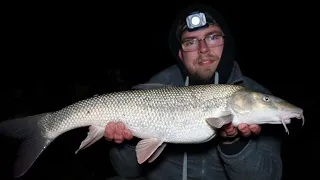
x=201, y=32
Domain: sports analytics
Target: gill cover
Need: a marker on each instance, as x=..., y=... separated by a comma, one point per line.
x=254, y=106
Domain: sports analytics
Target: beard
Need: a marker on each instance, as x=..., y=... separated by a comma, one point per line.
x=204, y=75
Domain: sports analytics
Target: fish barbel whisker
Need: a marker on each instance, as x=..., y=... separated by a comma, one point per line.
x=298, y=116
x=301, y=117
x=288, y=117
x=284, y=124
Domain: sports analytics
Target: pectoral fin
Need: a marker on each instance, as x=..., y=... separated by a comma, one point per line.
x=147, y=148
x=218, y=122
x=95, y=133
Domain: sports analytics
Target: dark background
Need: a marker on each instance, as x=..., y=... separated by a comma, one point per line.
x=55, y=54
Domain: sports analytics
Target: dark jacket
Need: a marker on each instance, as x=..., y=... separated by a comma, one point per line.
x=249, y=158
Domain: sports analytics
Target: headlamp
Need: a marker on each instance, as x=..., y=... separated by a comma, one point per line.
x=196, y=20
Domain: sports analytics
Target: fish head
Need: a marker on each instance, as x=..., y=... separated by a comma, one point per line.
x=254, y=107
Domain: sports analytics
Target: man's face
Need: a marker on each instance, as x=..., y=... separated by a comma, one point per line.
x=201, y=51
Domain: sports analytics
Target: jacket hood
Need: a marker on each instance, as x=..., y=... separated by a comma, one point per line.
x=228, y=55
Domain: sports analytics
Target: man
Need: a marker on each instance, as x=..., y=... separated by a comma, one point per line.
x=205, y=55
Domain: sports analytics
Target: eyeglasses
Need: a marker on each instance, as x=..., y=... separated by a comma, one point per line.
x=212, y=40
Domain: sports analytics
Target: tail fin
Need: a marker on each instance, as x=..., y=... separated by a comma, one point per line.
x=32, y=141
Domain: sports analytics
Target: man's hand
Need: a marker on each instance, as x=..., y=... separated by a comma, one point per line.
x=117, y=132
x=246, y=130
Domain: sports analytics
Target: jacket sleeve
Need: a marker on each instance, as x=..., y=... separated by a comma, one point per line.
x=124, y=161
x=259, y=159
x=255, y=157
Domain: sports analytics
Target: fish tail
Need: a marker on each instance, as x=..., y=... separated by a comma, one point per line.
x=27, y=130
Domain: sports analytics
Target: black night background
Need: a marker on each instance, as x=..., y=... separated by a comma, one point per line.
x=56, y=54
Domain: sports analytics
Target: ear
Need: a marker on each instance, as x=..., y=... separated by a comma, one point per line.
x=180, y=54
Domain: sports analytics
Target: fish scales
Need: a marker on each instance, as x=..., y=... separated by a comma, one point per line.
x=175, y=114
x=185, y=114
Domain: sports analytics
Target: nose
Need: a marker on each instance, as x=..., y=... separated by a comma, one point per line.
x=203, y=47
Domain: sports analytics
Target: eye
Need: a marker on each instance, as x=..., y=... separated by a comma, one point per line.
x=212, y=37
x=266, y=98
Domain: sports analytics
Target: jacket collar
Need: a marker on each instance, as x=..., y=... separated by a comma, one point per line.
x=236, y=75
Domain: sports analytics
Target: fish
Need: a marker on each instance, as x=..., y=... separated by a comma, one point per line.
x=157, y=114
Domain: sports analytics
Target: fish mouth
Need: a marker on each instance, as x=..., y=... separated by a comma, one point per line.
x=286, y=118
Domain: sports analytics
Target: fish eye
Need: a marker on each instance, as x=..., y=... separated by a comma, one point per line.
x=266, y=98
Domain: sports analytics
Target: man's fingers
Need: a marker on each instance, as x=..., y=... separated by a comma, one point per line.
x=119, y=128
x=109, y=131
x=233, y=133
x=244, y=129
x=115, y=131
x=118, y=135
x=127, y=134
x=230, y=130
x=118, y=138
x=255, y=129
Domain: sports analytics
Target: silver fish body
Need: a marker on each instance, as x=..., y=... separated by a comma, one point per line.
x=186, y=114
x=174, y=114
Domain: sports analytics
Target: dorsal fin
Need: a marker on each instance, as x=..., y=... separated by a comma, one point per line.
x=150, y=86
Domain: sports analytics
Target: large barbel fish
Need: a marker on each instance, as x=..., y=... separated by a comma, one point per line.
x=168, y=114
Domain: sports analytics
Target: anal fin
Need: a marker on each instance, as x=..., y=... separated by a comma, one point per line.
x=95, y=133
x=218, y=122
x=147, y=147
x=157, y=153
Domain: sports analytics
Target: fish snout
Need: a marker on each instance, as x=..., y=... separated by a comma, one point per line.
x=297, y=115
